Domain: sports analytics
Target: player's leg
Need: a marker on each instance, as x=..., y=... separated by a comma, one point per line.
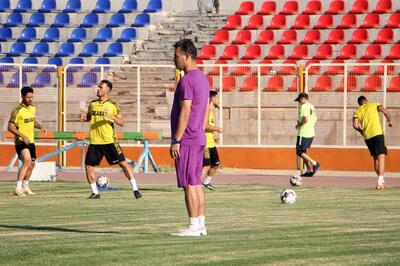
x=93, y=158
x=128, y=171
x=380, y=168
x=206, y=167
x=25, y=156
x=25, y=183
x=214, y=160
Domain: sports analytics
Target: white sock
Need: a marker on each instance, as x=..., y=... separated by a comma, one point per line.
x=207, y=180
x=194, y=223
x=25, y=184
x=202, y=221
x=19, y=184
x=314, y=163
x=133, y=183
x=94, y=188
x=381, y=181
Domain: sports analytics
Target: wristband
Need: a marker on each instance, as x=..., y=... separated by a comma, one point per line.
x=175, y=141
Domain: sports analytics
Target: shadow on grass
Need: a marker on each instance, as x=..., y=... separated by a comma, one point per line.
x=53, y=228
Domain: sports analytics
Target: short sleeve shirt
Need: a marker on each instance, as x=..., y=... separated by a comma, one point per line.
x=24, y=117
x=307, y=130
x=102, y=129
x=210, y=133
x=368, y=116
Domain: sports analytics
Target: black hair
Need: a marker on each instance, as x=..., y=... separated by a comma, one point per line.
x=107, y=82
x=187, y=47
x=213, y=93
x=361, y=99
x=25, y=90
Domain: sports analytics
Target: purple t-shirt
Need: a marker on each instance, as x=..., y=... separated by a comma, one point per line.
x=193, y=86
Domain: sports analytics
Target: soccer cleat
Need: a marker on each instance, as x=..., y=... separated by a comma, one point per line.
x=307, y=174
x=316, y=167
x=28, y=191
x=209, y=186
x=203, y=231
x=187, y=232
x=19, y=192
x=380, y=187
x=137, y=194
x=94, y=196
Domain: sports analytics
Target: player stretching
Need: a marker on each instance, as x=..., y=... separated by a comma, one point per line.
x=102, y=114
x=22, y=124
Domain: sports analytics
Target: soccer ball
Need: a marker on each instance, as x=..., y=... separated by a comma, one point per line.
x=102, y=181
x=288, y=196
x=295, y=180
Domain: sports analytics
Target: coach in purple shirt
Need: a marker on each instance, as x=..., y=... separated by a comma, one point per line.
x=188, y=122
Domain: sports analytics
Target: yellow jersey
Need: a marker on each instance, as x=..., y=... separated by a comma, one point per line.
x=307, y=130
x=23, y=117
x=369, y=119
x=102, y=129
x=210, y=142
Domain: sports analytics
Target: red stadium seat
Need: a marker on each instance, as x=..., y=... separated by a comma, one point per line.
x=323, y=52
x=372, y=83
x=315, y=69
x=252, y=52
x=265, y=37
x=233, y=22
x=268, y=8
x=277, y=22
x=255, y=22
x=359, y=36
x=299, y=52
x=290, y=8
x=265, y=70
x=220, y=37
x=348, y=21
x=335, y=37
x=381, y=68
x=288, y=37
x=361, y=69
x=211, y=81
x=312, y=37
x=276, y=51
x=324, y=22
x=230, y=52
x=243, y=37
x=288, y=70
x=242, y=70
x=393, y=21
x=294, y=85
x=246, y=8
x=228, y=83
x=335, y=69
x=207, y=52
x=394, y=84
x=373, y=51
x=250, y=84
x=200, y=62
x=301, y=22
x=274, y=83
x=394, y=52
x=348, y=51
x=336, y=7
x=359, y=7
x=351, y=84
x=384, y=36
x=215, y=70
x=383, y=6
x=313, y=7
x=371, y=21
x=323, y=83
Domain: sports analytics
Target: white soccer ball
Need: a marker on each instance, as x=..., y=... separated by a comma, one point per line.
x=288, y=196
x=295, y=180
x=102, y=181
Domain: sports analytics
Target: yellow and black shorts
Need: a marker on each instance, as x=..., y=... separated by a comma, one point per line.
x=211, y=157
x=112, y=152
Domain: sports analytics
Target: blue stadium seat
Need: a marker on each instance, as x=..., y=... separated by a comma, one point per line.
x=55, y=61
x=78, y=35
x=27, y=35
x=40, y=49
x=89, y=79
x=66, y=49
x=29, y=60
x=23, y=6
x=13, y=20
x=153, y=6
x=102, y=6
x=36, y=20
x=1, y=78
x=114, y=49
x=127, y=35
x=101, y=61
x=116, y=20
x=15, y=80
x=4, y=5
x=128, y=6
x=5, y=34
x=103, y=35
x=61, y=20
x=90, y=20
x=7, y=60
x=51, y=35
x=70, y=78
x=141, y=20
x=42, y=80
x=48, y=6
x=73, y=6
x=17, y=49
x=76, y=60
x=90, y=49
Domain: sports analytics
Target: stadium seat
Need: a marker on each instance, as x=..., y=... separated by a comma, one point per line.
x=335, y=69
x=267, y=8
x=288, y=37
x=276, y=51
x=15, y=80
x=23, y=6
x=242, y=37
x=359, y=7
x=373, y=51
x=348, y=51
x=252, y=52
x=17, y=49
x=1, y=76
x=274, y=83
x=230, y=52
x=70, y=78
x=250, y=83
x=335, y=7
x=324, y=22
x=301, y=22
x=313, y=7
x=103, y=35
x=265, y=37
x=383, y=6
x=351, y=84
x=372, y=83
x=127, y=35
x=5, y=34
x=141, y=20
x=211, y=81
x=216, y=69
x=381, y=68
x=90, y=49
x=36, y=20
x=393, y=21
x=394, y=84
x=277, y=22
x=299, y=52
x=359, y=36
x=153, y=6
x=361, y=68
x=294, y=85
x=13, y=20
x=78, y=35
x=76, y=61
x=73, y=6
x=55, y=61
x=4, y=5
x=114, y=49
x=102, y=61
x=288, y=69
x=220, y=37
x=42, y=80
x=32, y=61
x=48, y=6
x=228, y=83
x=335, y=36
x=323, y=83
x=40, y=49
x=371, y=21
x=116, y=20
x=324, y=51
x=246, y=8
x=27, y=35
x=265, y=70
x=255, y=22
x=6, y=60
x=348, y=21
x=233, y=22
x=242, y=70
x=90, y=20
x=314, y=69
x=311, y=37
x=61, y=20
x=128, y=6
x=394, y=52
x=207, y=52
x=66, y=49
x=51, y=35
x=290, y=8
x=89, y=79
x=102, y=6
x=384, y=36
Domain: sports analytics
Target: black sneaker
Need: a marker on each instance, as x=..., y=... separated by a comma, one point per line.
x=307, y=174
x=209, y=186
x=137, y=194
x=94, y=196
x=316, y=167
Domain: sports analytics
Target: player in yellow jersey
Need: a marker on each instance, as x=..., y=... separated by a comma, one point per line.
x=22, y=124
x=366, y=121
x=102, y=114
x=211, y=159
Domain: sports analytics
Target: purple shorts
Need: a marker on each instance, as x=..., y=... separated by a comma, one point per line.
x=189, y=164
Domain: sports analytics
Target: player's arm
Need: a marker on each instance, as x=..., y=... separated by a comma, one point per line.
x=39, y=126
x=182, y=124
x=356, y=125
x=303, y=121
x=13, y=129
x=86, y=116
x=119, y=120
x=386, y=114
